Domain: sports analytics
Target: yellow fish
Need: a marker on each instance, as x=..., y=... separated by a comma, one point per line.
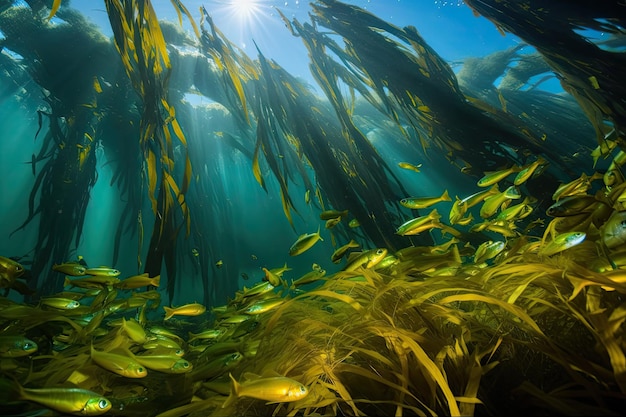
x=410, y=167
x=424, y=202
x=120, y=364
x=492, y=178
x=193, y=309
x=273, y=390
x=138, y=281
x=73, y=401
x=305, y=242
x=16, y=346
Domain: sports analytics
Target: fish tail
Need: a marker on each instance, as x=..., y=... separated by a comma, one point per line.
x=234, y=392
x=67, y=282
x=156, y=281
x=169, y=312
x=445, y=196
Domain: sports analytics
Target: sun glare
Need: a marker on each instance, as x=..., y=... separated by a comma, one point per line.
x=245, y=10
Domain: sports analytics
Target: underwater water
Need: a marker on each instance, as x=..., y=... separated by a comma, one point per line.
x=304, y=209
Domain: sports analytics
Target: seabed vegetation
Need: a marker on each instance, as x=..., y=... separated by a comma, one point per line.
x=507, y=300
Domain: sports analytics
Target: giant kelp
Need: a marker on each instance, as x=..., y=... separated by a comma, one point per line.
x=60, y=194
x=591, y=74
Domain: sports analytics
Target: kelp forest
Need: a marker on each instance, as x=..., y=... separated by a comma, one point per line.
x=408, y=236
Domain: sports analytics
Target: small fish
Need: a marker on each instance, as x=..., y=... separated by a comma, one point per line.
x=492, y=203
x=492, y=178
x=332, y=214
x=309, y=277
x=354, y=223
x=410, y=167
x=263, y=306
x=134, y=330
x=70, y=268
x=219, y=264
x=244, y=276
x=193, y=309
x=330, y=223
x=307, y=197
x=488, y=250
x=138, y=281
x=16, y=346
x=90, y=282
x=10, y=270
x=419, y=224
x=528, y=171
x=273, y=389
x=73, y=401
x=195, y=252
x=424, y=202
x=562, y=242
x=613, y=231
x=169, y=364
x=305, y=242
x=573, y=205
x=271, y=277
x=340, y=252
x=367, y=259
x=103, y=271
x=207, y=334
x=60, y=303
x=120, y=364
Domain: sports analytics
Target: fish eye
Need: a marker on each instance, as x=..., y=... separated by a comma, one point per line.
x=185, y=364
x=140, y=369
x=380, y=251
x=28, y=345
x=103, y=403
x=302, y=388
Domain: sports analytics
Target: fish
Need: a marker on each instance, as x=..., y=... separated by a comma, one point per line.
x=193, y=309
x=271, y=277
x=419, y=224
x=134, y=330
x=207, y=334
x=573, y=205
x=330, y=223
x=494, y=177
x=528, y=171
x=424, y=202
x=354, y=223
x=123, y=365
x=10, y=270
x=309, y=277
x=73, y=401
x=16, y=346
x=332, y=214
x=91, y=282
x=103, y=271
x=340, y=252
x=457, y=211
x=366, y=259
x=488, y=250
x=410, y=167
x=613, y=231
x=492, y=203
x=59, y=303
x=169, y=364
x=138, y=281
x=476, y=198
x=263, y=306
x=305, y=242
x=219, y=264
x=70, y=268
x=562, y=242
x=272, y=390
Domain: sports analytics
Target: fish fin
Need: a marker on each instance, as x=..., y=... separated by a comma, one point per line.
x=156, y=281
x=234, y=392
x=169, y=312
x=445, y=196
